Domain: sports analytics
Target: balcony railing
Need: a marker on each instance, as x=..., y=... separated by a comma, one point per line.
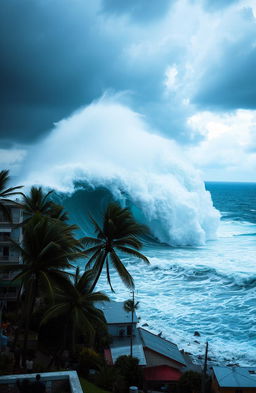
x=10, y=259
x=61, y=381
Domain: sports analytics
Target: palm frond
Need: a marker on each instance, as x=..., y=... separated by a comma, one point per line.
x=122, y=271
x=128, y=241
x=134, y=253
x=98, y=229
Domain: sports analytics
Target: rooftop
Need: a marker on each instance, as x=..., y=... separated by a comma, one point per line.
x=8, y=382
x=242, y=377
x=162, y=346
x=121, y=346
x=115, y=314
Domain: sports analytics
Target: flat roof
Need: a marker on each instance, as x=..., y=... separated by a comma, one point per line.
x=242, y=377
x=121, y=346
x=70, y=375
x=115, y=314
x=162, y=346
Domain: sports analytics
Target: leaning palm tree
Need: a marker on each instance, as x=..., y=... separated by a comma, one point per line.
x=75, y=304
x=131, y=306
x=118, y=234
x=47, y=249
x=6, y=192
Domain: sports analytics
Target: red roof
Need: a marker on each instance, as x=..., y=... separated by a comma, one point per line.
x=161, y=373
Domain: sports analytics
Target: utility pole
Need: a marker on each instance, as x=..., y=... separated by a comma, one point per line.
x=204, y=369
x=132, y=323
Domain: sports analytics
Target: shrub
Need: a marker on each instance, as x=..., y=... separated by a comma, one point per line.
x=129, y=368
x=190, y=382
x=89, y=359
x=106, y=377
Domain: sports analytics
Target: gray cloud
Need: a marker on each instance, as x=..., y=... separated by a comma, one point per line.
x=229, y=80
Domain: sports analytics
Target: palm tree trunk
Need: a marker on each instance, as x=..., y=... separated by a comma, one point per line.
x=28, y=313
x=131, y=352
x=26, y=331
x=99, y=272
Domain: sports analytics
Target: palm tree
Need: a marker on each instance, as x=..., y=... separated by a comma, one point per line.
x=37, y=201
x=119, y=233
x=47, y=249
x=5, y=193
x=131, y=306
x=75, y=303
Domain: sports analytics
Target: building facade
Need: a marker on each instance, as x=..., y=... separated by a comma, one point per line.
x=9, y=255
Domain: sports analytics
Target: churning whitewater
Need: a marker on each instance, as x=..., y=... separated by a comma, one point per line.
x=107, y=145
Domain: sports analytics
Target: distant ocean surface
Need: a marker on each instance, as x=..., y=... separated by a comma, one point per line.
x=210, y=289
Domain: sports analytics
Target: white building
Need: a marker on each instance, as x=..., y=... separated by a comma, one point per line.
x=9, y=255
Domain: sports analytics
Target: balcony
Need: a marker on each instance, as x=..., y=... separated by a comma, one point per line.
x=9, y=259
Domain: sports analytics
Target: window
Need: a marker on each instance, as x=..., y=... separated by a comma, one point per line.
x=6, y=251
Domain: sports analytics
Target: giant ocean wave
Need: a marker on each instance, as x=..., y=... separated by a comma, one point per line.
x=109, y=152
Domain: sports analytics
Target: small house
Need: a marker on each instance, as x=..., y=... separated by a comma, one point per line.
x=120, y=328
x=164, y=361
x=234, y=379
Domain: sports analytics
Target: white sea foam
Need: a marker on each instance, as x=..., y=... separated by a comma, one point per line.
x=106, y=144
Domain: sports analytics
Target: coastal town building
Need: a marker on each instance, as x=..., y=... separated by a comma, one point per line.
x=120, y=328
x=9, y=255
x=161, y=359
x=234, y=379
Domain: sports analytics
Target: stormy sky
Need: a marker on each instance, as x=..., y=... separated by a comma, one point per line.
x=187, y=66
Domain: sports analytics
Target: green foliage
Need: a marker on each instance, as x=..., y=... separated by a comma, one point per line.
x=128, y=368
x=6, y=192
x=75, y=304
x=130, y=305
x=118, y=234
x=190, y=382
x=89, y=359
x=38, y=202
x=106, y=377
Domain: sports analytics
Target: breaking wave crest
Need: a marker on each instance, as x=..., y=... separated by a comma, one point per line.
x=109, y=152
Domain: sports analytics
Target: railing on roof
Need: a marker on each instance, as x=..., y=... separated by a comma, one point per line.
x=9, y=382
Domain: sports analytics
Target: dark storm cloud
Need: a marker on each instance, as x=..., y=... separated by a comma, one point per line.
x=49, y=64
x=229, y=80
x=140, y=10
x=57, y=56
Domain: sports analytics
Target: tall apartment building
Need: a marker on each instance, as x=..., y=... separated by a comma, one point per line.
x=8, y=254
